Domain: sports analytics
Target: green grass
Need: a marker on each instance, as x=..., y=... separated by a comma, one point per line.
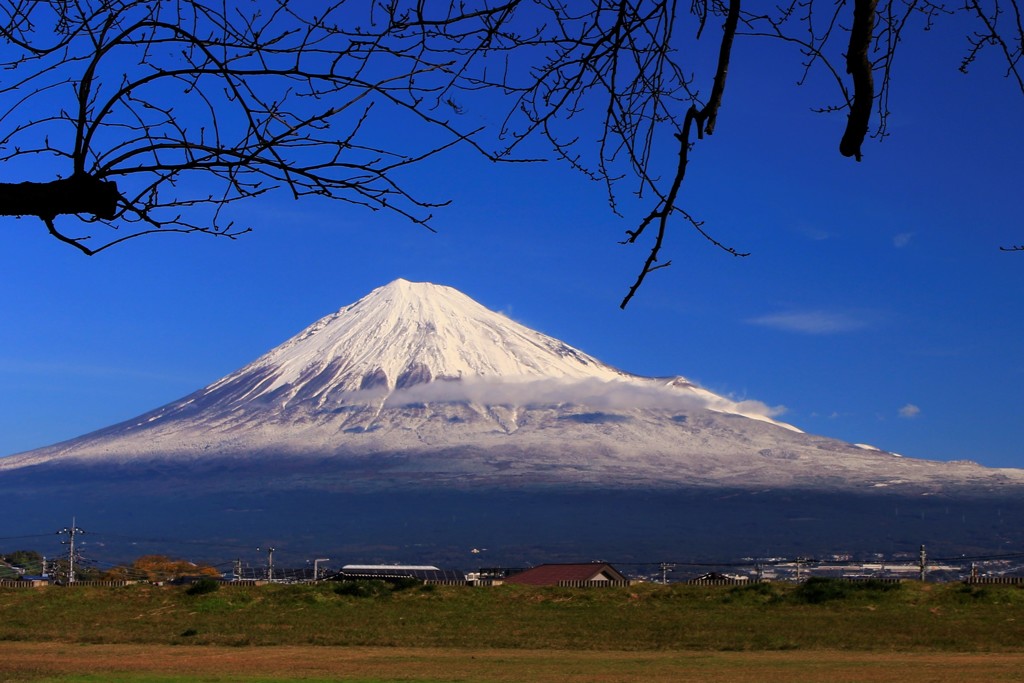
x=817, y=615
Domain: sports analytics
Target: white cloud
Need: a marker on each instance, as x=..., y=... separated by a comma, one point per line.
x=810, y=322
x=910, y=411
x=595, y=393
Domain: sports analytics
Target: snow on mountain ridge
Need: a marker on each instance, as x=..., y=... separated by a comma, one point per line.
x=407, y=333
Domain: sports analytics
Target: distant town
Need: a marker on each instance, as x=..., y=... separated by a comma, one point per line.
x=72, y=566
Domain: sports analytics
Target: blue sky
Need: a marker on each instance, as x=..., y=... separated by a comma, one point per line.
x=876, y=306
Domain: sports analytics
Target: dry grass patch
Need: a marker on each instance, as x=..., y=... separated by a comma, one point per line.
x=160, y=663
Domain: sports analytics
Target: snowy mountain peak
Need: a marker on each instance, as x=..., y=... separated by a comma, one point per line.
x=407, y=333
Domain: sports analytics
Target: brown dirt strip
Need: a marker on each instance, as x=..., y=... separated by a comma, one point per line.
x=26, y=661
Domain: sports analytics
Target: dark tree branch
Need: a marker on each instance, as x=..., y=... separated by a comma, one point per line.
x=858, y=64
x=75, y=242
x=710, y=111
x=1010, y=43
x=79, y=194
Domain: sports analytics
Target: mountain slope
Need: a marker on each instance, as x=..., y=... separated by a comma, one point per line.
x=418, y=385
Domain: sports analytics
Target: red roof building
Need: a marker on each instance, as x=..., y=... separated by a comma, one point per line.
x=569, y=574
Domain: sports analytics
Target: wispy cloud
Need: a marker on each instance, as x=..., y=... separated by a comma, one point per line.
x=813, y=233
x=909, y=411
x=901, y=240
x=810, y=322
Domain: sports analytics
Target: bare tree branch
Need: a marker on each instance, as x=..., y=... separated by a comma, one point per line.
x=140, y=117
x=282, y=103
x=705, y=120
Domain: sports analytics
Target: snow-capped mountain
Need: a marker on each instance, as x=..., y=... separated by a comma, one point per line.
x=419, y=342
x=418, y=383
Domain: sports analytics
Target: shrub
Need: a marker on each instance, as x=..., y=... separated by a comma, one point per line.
x=404, y=583
x=756, y=592
x=363, y=589
x=203, y=586
x=816, y=590
x=371, y=588
x=755, y=588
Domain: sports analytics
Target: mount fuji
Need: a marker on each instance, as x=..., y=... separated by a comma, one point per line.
x=416, y=406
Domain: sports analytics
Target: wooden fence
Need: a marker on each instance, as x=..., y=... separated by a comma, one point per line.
x=592, y=584
x=42, y=584
x=106, y=584
x=446, y=582
x=983, y=580
x=7, y=583
x=720, y=582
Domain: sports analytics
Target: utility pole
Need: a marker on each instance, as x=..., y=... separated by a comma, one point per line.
x=316, y=567
x=924, y=562
x=71, y=532
x=666, y=567
x=270, y=564
x=237, y=568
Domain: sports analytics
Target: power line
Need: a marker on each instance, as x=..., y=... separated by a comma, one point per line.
x=138, y=539
x=16, y=538
x=967, y=558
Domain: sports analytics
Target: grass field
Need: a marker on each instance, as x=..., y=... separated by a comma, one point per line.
x=766, y=632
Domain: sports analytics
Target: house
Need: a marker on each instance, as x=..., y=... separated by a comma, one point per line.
x=584, y=574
